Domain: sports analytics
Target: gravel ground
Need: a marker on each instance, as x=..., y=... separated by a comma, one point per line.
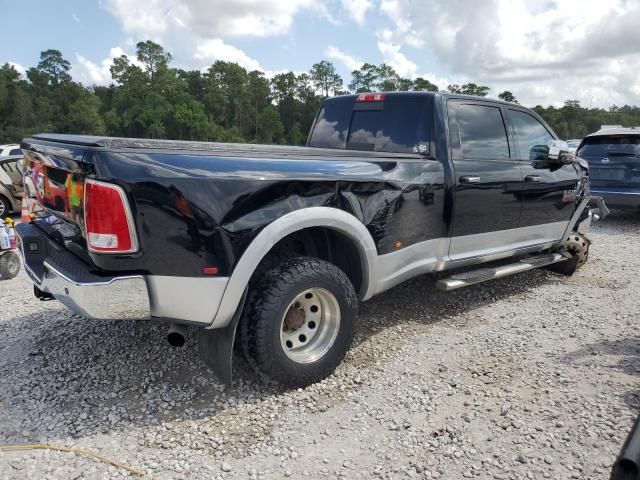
x=533, y=376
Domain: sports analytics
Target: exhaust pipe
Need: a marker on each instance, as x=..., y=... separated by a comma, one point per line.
x=176, y=334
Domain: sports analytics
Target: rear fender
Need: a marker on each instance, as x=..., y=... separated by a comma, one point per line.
x=292, y=222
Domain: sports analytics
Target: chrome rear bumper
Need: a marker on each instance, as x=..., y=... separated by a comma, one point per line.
x=59, y=273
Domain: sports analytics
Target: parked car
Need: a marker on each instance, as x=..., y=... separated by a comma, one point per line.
x=281, y=243
x=6, y=150
x=10, y=185
x=614, y=159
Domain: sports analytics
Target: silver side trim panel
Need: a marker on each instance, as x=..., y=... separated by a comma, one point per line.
x=490, y=243
x=433, y=255
x=396, y=267
x=292, y=222
x=188, y=299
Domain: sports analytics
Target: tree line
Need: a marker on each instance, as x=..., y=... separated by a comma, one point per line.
x=150, y=99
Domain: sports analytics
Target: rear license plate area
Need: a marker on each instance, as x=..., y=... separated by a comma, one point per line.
x=607, y=173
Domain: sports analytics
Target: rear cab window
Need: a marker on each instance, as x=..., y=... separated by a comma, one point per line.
x=401, y=123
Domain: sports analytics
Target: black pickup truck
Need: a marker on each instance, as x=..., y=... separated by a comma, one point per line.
x=272, y=247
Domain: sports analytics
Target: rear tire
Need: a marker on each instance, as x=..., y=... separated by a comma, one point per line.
x=9, y=265
x=299, y=321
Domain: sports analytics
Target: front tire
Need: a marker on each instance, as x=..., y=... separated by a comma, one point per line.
x=299, y=321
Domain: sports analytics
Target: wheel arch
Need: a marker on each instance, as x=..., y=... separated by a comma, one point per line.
x=325, y=217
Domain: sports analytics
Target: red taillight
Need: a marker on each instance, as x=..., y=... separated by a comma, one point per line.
x=107, y=219
x=370, y=97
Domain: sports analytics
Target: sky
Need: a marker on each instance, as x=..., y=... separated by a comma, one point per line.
x=543, y=51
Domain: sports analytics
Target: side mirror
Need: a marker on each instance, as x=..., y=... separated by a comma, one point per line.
x=556, y=152
x=556, y=149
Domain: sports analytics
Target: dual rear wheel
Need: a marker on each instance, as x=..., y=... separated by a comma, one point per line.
x=299, y=321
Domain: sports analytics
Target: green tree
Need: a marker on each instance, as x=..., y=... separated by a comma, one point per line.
x=469, y=89
x=152, y=56
x=270, y=125
x=507, y=96
x=325, y=78
x=149, y=98
x=422, y=85
x=364, y=79
x=84, y=117
x=476, y=90
x=55, y=66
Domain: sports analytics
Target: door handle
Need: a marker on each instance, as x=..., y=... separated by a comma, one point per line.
x=533, y=178
x=469, y=179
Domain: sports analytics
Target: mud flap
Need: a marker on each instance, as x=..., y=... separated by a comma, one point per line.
x=216, y=346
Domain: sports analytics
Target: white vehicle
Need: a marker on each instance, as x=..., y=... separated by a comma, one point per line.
x=573, y=144
x=10, y=149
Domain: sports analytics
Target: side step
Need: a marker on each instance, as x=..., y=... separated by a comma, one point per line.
x=472, y=277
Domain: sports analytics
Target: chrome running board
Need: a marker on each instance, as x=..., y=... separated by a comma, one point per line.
x=472, y=277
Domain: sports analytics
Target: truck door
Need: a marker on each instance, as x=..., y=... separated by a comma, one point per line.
x=488, y=180
x=548, y=193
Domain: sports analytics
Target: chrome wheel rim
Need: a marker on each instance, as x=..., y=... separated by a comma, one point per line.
x=310, y=325
x=3, y=208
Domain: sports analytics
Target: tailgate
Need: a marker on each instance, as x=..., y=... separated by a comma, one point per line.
x=53, y=177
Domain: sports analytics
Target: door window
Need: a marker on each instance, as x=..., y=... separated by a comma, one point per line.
x=532, y=138
x=482, y=132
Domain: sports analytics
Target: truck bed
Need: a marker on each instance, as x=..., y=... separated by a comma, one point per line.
x=241, y=150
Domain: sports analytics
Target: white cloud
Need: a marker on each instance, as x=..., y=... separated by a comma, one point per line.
x=334, y=53
x=209, y=18
x=216, y=49
x=392, y=55
x=542, y=52
x=21, y=70
x=90, y=73
x=76, y=18
x=357, y=9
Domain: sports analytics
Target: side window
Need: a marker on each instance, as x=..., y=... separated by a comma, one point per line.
x=482, y=132
x=15, y=151
x=532, y=138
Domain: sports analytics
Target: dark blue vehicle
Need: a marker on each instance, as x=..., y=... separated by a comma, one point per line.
x=614, y=164
x=281, y=243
